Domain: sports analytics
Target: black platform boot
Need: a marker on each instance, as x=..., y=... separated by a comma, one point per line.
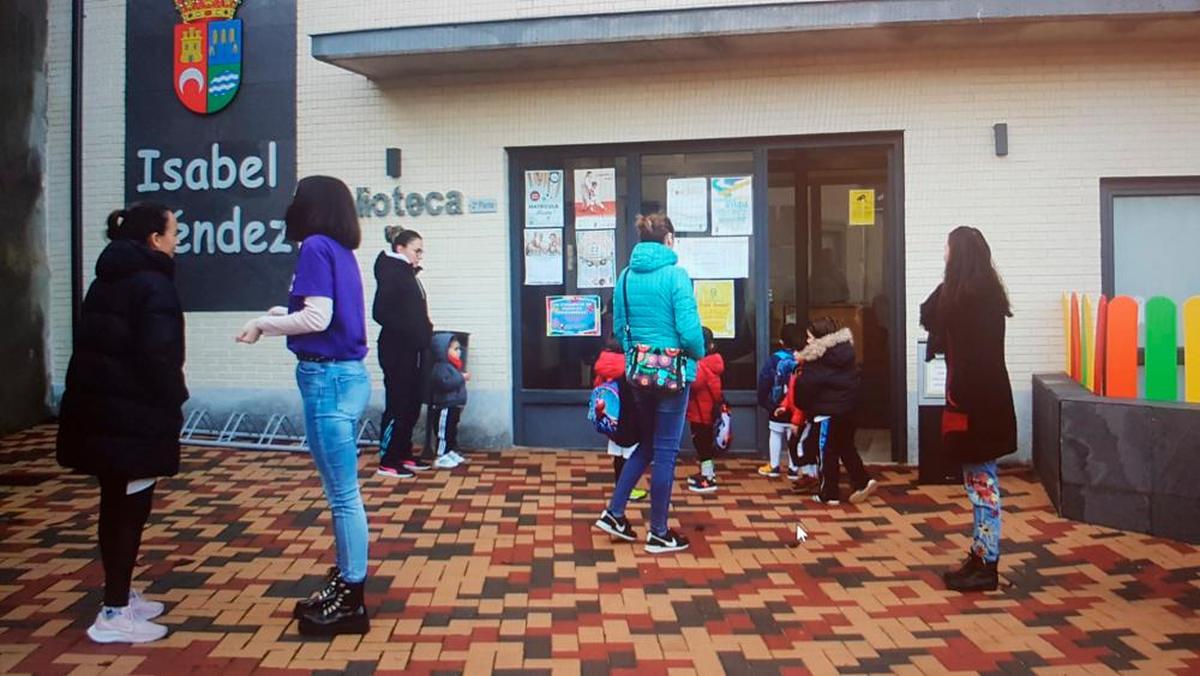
x=969, y=565
x=318, y=597
x=980, y=577
x=341, y=613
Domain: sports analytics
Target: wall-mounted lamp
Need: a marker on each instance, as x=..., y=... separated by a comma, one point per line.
x=1000, y=131
x=393, y=162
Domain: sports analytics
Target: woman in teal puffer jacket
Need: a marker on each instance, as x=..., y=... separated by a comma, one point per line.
x=654, y=296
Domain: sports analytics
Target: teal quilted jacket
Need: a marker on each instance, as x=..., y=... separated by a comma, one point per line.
x=662, y=306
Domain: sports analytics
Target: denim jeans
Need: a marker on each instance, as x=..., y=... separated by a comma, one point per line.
x=661, y=419
x=983, y=489
x=335, y=395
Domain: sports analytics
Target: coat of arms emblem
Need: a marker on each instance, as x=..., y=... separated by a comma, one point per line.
x=208, y=54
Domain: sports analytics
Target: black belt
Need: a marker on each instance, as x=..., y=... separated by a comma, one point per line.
x=303, y=356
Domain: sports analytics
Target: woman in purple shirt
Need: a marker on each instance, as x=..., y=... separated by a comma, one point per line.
x=326, y=328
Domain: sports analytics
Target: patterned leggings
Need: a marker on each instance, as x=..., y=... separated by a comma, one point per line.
x=983, y=489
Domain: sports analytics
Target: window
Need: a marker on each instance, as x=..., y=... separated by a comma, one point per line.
x=1151, y=233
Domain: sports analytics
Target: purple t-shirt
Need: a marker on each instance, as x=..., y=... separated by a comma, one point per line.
x=326, y=268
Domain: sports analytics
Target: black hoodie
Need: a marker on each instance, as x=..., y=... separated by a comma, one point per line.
x=400, y=307
x=120, y=413
x=829, y=378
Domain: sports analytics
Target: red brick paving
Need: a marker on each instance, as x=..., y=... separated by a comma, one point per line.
x=494, y=568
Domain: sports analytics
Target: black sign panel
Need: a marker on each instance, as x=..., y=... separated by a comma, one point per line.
x=230, y=174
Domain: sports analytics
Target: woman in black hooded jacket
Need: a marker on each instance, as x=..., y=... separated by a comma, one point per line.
x=120, y=415
x=965, y=317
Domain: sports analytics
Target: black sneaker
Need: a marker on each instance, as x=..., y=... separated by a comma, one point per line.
x=664, y=544
x=394, y=472
x=794, y=473
x=702, y=484
x=616, y=526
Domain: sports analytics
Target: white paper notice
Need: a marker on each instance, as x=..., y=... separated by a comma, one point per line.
x=543, y=257
x=596, y=250
x=732, y=199
x=544, y=198
x=714, y=257
x=687, y=204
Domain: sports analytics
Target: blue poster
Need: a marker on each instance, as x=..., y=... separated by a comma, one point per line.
x=572, y=316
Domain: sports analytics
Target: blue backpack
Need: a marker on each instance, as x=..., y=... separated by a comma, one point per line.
x=604, y=407
x=783, y=373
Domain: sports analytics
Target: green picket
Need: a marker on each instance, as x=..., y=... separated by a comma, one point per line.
x=1162, y=350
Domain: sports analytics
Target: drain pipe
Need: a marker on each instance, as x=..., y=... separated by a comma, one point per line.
x=76, y=170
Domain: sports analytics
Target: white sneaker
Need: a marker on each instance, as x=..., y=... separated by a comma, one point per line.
x=457, y=456
x=446, y=461
x=144, y=609
x=124, y=627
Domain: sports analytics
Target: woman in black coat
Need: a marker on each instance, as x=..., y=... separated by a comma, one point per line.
x=965, y=317
x=120, y=415
x=401, y=310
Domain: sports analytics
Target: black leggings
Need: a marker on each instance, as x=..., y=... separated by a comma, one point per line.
x=702, y=440
x=122, y=518
x=402, y=403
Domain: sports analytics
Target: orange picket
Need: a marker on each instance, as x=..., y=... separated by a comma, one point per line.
x=1121, y=368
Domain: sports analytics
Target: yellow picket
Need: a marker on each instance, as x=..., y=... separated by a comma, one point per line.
x=1191, y=350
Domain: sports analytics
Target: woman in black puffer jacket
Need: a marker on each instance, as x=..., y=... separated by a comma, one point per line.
x=120, y=415
x=827, y=393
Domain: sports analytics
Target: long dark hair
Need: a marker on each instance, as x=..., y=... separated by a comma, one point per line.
x=138, y=221
x=971, y=276
x=323, y=206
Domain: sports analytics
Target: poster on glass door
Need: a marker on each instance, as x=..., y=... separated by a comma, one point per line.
x=544, y=198
x=596, y=251
x=543, y=257
x=687, y=204
x=595, y=199
x=732, y=212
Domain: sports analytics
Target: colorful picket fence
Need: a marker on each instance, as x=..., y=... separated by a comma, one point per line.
x=1101, y=339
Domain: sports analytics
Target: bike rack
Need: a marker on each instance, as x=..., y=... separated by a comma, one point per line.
x=248, y=431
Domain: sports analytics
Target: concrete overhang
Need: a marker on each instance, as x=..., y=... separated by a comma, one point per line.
x=747, y=31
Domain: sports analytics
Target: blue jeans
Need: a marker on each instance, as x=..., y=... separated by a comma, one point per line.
x=661, y=421
x=983, y=489
x=335, y=395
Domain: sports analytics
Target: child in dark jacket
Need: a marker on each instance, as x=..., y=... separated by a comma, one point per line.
x=772, y=381
x=610, y=366
x=448, y=392
x=702, y=402
x=827, y=391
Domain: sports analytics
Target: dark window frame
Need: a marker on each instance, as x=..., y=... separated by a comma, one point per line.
x=518, y=158
x=1142, y=186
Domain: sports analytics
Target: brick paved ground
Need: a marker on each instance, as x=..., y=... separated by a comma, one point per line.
x=495, y=566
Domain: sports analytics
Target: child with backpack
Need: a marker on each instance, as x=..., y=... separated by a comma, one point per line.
x=703, y=407
x=621, y=431
x=827, y=390
x=773, y=382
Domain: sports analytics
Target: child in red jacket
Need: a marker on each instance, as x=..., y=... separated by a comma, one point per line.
x=610, y=366
x=702, y=402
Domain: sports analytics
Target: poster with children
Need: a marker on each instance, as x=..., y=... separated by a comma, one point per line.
x=544, y=198
x=595, y=199
x=596, y=250
x=543, y=257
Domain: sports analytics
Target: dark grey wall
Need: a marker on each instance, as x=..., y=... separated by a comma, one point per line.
x=24, y=290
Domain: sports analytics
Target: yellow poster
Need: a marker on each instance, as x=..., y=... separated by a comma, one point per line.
x=714, y=298
x=862, y=207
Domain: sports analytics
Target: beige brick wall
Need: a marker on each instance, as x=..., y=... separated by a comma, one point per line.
x=1075, y=114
